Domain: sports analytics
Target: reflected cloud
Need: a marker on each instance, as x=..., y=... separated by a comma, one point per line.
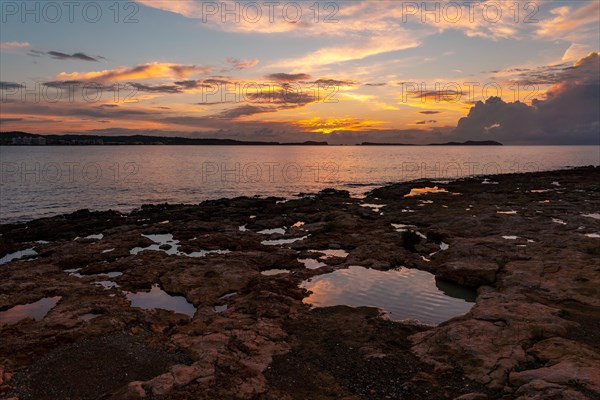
x=158, y=298
x=37, y=310
x=425, y=190
x=402, y=294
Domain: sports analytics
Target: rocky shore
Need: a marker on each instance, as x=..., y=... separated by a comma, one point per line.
x=70, y=327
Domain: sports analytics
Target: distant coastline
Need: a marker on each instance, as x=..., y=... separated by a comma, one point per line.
x=31, y=139
x=467, y=143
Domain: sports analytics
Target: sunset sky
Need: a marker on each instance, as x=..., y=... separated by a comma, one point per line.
x=350, y=72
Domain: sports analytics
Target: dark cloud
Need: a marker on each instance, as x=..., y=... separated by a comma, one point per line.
x=284, y=95
x=75, y=56
x=57, y=55
x=127, y=112
x=431, y=121
x=508, y=70
x=10, y=85
x=376, y=84
x=78, y=110
x=218, y=80
x=542, y=76
x=281, y=96
x=334, y=82
x=174, y=88
x=283, y=77
x=498, y=120
x=207, y=83
x=242, y=64
x=168, y=89
x=244, y=111
x=212, y=103
x=184, y=70
x=71, y=85
x=568, y=115
x=190, y=121
x=63, y=84
x=190, y=84
x=449, y=95
x=36, y=53
x=430, y=112
x=8, y=120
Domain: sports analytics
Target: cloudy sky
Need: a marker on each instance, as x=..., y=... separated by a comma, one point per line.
x=522, y=72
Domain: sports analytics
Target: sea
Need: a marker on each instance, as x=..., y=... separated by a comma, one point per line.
x=43, y=181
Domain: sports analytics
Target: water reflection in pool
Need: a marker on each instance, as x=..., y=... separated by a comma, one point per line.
x=158, y=298
x=402, y=294
x=280, y=231
x=311, y=263
x=271, y=272
x=331, y=253
x=278, y=242
x=37, y=310
x=18, y=254
x=421, y=191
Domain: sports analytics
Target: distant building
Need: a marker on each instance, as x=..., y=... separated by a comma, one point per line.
x=26, y=140
x=21, y=140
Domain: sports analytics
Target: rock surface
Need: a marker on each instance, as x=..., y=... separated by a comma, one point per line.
x=533, y=333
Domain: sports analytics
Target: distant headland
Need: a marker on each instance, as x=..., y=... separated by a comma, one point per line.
x=31, y=139
x=467, y=143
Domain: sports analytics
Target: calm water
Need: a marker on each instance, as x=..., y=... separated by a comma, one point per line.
x=37, y=310
x=158, y=298
x=402, y=294
x=45, y=181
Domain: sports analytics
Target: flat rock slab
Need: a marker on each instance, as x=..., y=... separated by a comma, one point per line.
x=468, y=273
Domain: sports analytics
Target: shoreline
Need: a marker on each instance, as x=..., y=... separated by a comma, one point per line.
x=344, y=187
x=35, y=139
x=518, y=240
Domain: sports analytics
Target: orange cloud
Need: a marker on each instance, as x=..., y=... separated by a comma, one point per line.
x=356, y=51
x=329, y=125
x=141, y=72
x=567, y=21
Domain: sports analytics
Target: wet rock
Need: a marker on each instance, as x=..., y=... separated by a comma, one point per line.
x=184, y=374
x=468, y=273
x=160, y=385
x=538, y=386
x=135, y=390
x=490, y=352
x=567, y=372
